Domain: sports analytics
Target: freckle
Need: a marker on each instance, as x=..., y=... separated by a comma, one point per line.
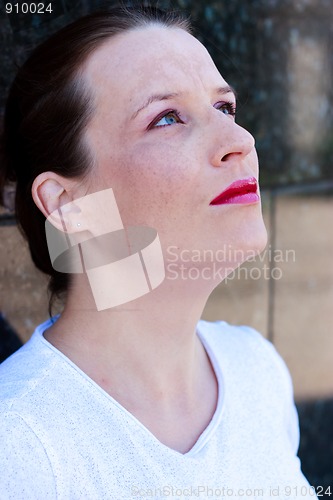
x=103, y=382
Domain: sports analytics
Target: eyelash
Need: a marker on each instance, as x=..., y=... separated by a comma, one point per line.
x=230, y=106
x=171, y=111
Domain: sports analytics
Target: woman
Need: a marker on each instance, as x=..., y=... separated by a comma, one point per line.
x=122, y=120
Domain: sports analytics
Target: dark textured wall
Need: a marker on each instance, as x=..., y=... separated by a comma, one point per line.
x=277, y=54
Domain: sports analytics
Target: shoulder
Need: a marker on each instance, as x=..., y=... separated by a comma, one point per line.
x=245, y=343
x=246, y=356
x=28, y=463
x=239, y=340
x=25, y=371
x=243, y=348
x=23, y=458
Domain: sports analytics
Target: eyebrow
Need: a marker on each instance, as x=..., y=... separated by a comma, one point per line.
x=165, y=97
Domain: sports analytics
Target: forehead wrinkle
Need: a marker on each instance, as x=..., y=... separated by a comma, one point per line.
x=178, y=81
x=195, y=68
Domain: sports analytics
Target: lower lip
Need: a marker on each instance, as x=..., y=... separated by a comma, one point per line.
x=240, y=199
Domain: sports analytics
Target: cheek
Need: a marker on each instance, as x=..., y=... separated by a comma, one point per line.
x=151, y=182
x=253, y=160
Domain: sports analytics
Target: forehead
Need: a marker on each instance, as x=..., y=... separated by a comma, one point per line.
x=150, y=59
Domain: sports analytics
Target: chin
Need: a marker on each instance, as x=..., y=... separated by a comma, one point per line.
x=249, y=241
x=255, y=239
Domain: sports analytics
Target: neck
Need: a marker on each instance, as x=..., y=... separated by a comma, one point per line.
x=123, y=346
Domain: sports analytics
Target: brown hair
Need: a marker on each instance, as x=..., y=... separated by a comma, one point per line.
x=47, y=110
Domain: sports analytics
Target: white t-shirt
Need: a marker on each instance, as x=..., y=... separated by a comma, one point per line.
x=63, y=437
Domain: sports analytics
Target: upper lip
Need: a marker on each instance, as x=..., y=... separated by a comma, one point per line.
x=242, y=186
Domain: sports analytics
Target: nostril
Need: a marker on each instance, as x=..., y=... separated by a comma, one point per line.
x=229, y=155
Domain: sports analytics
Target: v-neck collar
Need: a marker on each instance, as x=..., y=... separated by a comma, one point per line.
x=203, y=334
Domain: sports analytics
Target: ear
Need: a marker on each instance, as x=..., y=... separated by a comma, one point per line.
x=53, y=195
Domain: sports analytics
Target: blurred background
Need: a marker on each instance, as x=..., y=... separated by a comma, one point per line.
x=278, y=55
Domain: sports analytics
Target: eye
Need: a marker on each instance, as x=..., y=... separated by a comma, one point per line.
x=167, y=119
x=228, y=108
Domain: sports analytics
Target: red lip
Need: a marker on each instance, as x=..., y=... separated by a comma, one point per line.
x=243, y=191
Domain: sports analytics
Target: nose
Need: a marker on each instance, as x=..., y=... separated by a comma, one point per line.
x=231, y=142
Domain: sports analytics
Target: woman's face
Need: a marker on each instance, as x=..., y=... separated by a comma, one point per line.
x=165, y=139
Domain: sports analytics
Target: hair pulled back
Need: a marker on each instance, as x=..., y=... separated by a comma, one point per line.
x=46, y=112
